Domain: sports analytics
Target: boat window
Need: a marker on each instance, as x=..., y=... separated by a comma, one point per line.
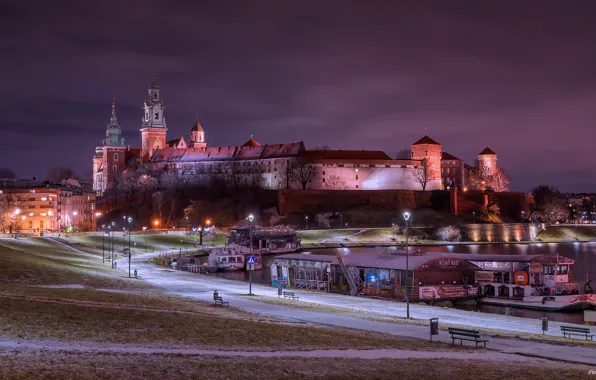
x=549, y=269
x=506, y=278
x=563, y=269
x=224, y=259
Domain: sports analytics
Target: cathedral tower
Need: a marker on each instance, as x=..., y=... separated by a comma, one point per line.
x=153, y=131
x=197, y=136
x=109, y=161
x=487, y=162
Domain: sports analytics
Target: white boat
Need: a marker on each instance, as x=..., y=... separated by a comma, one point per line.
x=230, y=262
x=232, y=257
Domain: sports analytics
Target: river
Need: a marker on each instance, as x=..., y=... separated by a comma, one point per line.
x=584, y=268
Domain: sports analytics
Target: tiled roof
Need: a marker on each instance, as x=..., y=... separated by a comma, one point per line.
x=426, y=140
x=487, y=151
x=197, y=126
x=252, y=142
x=449, y=157
x=346, y=155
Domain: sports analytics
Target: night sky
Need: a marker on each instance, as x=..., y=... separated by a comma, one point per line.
x=517, y=76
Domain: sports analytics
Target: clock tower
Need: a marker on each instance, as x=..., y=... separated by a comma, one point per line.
x=153, y=131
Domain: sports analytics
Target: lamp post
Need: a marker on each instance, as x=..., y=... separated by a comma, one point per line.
x=473, y=217
x=523, y=217
x=250, y=219
x=129, y=249
x=112, y=244
x=306, y=222
x=341, y=221
x=407, y=218
x=103, y=243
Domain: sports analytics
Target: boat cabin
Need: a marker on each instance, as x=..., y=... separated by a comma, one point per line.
x=274, y=239
x=515, y=276
x=434, y=276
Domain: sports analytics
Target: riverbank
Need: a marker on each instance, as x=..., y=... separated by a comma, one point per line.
x=372, y=237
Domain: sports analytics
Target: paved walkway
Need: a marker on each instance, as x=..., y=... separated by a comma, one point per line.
x=201, y=287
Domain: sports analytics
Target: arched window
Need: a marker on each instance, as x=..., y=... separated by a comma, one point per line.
x=114, y=168
x=115, y=156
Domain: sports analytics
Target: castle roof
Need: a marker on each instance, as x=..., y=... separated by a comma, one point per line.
x=426, y=140
x=252, y=142
x=448, y=157
x=487, y=151
x=346, y=154
x=197, y=126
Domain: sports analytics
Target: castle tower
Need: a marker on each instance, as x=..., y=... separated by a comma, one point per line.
x=429, y=150
x=153, y=131
x=197, y=136
x=109, y=159
x=487, y=162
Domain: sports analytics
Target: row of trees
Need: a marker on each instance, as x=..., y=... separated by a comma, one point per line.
x=550, y=205
x=54, y=175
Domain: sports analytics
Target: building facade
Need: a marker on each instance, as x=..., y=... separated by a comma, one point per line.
x=274, y=166
x=31, y=206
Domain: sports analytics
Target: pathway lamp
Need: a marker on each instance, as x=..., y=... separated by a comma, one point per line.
x=250, y=220
x=407, y=219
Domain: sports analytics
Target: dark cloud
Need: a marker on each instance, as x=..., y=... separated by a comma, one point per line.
x=517, y=76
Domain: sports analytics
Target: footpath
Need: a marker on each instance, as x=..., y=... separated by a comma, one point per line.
x=201, y=287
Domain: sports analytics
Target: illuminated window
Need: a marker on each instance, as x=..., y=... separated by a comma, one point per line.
x=44, y=198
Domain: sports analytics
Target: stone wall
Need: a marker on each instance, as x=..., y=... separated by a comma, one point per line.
x=500, y=233
x=313, y=201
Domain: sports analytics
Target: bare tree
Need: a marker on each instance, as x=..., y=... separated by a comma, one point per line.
x=14, y=210
x=476, y=181
x=303, y=173
x=335, y=182
x=58, y=173
x=286, y=173
x=422, y=173
x=197, y=215
x=6, y=173
x=404, y=154
x=499, y=181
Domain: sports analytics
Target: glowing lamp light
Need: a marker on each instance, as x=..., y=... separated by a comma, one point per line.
x=17, y=211
x=75, y=213
x=251, y=217
x=50, y=213
x=23, y=217
x=156, y=222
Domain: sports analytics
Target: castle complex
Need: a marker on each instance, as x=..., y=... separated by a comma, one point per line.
x=274, y=166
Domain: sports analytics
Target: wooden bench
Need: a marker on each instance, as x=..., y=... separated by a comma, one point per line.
x=581, y=331
x=290, y=295
x=463, y=334
x=219, y=301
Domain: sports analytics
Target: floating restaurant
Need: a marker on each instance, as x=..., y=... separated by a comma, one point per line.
x=528, y=281
x=433, y=276
x=266, y=240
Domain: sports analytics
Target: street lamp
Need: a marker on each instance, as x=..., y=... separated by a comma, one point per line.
x=407, y=218
x=523, y=217
x=306, y=222
x=129, y=249
x=341, y=220
x=103, y=243
x=473, y=217
x=112, y=243
x=250, y=220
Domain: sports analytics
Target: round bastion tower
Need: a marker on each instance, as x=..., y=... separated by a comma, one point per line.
x=487, y=162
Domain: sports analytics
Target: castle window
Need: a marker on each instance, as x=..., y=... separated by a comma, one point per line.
x=356, y=177
x=323, y=172
x=114, y=168
x=157, y=115
x=115, y=156
x=323, y=179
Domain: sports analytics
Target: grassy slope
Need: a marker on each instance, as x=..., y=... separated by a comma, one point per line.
x=31, y=312
x=131, y=366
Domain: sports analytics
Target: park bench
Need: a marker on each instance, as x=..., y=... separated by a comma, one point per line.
x=290, y=295
x=581, y=331
x=463, y=334
x=219, y=301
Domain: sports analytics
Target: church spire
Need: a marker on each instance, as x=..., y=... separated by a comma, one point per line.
x=113, y=130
